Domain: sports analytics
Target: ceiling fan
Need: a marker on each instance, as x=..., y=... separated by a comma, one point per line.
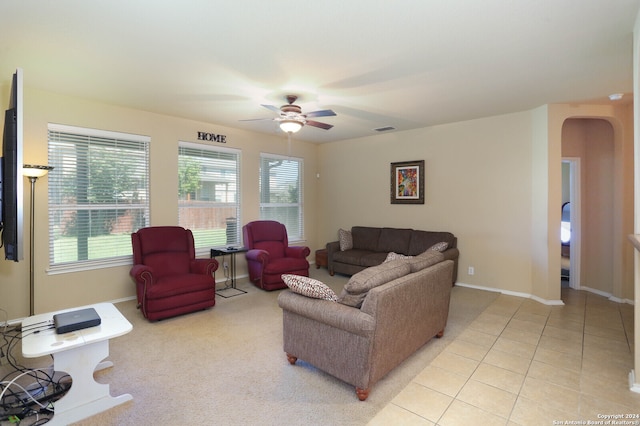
x=291, y=119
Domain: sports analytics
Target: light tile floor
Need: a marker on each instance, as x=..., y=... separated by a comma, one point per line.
x=524, y=363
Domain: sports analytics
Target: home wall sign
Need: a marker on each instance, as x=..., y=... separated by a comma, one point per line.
x=212, y=137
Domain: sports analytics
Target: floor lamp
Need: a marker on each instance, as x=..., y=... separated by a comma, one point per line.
x=33, y=173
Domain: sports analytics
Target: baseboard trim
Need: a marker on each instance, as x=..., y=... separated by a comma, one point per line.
x=547, y=301
x=633, y=386
x=607, y=295
x=514, y=293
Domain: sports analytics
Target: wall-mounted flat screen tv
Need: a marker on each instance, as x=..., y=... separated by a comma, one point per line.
x=11, y=188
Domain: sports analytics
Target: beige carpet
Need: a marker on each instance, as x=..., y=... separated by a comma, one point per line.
x=225, y=366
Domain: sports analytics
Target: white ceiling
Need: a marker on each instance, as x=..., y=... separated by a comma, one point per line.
x=401, y=63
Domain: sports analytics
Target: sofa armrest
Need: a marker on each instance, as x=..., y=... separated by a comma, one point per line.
x=334, y=314
x=257, y=255
x=297, y=251
x=142, y=274
x=453, y=254
x=204, y=266
x=332, y=247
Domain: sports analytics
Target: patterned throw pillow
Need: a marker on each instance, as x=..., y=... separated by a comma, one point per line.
x=442, y=246
x=309, y=287
x=346, y=240
x=394, y=256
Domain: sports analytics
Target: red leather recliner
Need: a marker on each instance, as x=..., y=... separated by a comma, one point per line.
x=169, y=279
x=269, y=255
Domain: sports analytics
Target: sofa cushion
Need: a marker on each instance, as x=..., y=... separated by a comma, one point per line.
x=284, y=265
x=355, y=291
x=178, y=285
x=394, y=239
x=373, y=259
x=365, y=238
x=309, y=287
x=432, y=254
x=423, y=240
x=276, y=249
x=346, y=239
x=169, y=263
x=359, y=257
x=426, y=259
x=418, y=263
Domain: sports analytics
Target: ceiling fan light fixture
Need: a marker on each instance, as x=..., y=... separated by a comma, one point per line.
x=290, y=126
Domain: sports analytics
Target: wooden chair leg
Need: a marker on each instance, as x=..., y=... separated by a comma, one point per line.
x=362, y=393
x=440, y=333
x=292, y=359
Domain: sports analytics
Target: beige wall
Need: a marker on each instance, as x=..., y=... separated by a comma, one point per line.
x=477, y=185
x=73, y=289
x=494, y=182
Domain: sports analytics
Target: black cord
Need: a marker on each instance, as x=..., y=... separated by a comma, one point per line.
x=20, y=403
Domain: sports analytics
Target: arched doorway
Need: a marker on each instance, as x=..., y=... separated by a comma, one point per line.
x=589, y=142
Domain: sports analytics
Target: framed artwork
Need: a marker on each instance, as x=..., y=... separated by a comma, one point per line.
x=407, y=182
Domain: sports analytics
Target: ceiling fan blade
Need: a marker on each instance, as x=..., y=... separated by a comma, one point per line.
x=272, y=108
x=324, y=126
x=256, y=119
x=321, y=113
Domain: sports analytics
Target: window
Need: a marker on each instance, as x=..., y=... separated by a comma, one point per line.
x=209, y=194
x=281, y=192
x=98, y=196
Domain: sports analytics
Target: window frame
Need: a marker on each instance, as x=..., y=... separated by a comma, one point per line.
x=292, y=235
x=205, y=248
x=55, y=206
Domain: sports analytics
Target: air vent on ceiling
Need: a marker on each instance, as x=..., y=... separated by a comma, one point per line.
x=384, y=129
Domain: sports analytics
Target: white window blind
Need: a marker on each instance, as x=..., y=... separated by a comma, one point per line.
x=98, y=196
x=281, y=192
x=209, y=194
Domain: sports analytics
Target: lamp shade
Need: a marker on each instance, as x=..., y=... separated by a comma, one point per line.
x=290, y=126
x=31, y=170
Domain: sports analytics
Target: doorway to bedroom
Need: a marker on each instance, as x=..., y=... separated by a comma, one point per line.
x=588, y=188
x=570, y=221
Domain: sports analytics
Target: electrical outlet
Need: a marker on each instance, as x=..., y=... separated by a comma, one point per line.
x=225, y=265
x=471, y=270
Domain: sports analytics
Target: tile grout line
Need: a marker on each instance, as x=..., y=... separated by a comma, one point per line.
x=455, y=397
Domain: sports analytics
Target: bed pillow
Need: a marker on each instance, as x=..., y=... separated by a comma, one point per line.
x=309, y=287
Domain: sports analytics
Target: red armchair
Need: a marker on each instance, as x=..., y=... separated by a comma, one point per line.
x=169, y=279
x=269, y=255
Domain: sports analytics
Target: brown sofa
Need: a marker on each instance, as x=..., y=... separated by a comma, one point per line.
x=370, y=247
x=402, y=308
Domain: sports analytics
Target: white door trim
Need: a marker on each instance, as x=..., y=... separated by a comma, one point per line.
x=576, y=234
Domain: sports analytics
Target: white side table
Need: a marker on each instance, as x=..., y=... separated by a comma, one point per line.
x=79, y=354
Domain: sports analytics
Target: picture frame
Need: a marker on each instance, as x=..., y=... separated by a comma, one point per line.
x=407, y=182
